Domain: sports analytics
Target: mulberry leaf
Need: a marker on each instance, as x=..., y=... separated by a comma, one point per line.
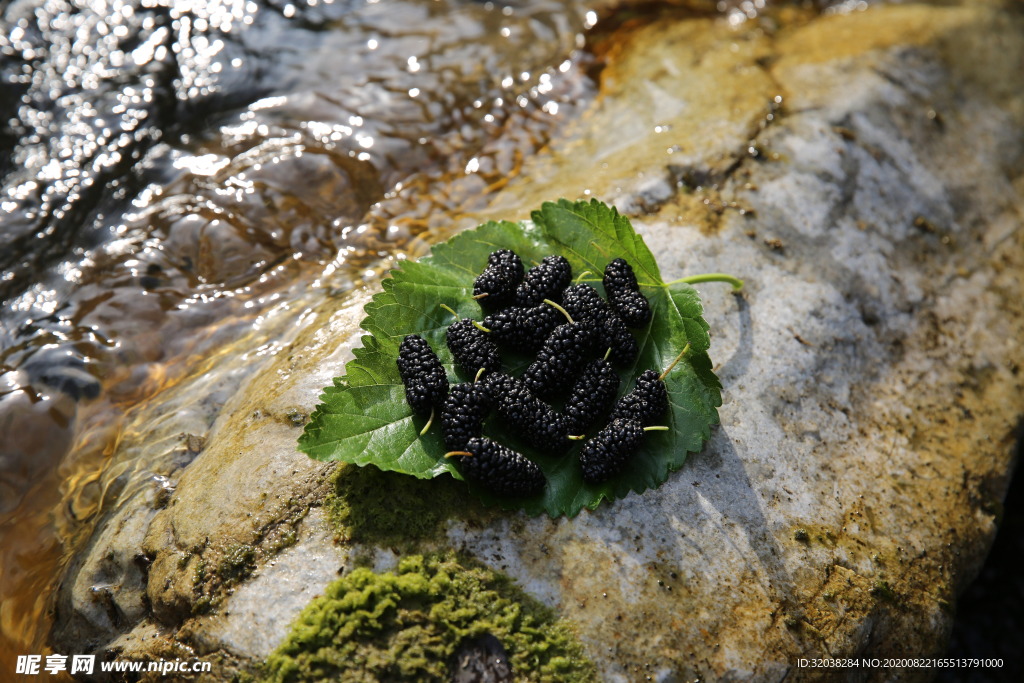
x=364, y=418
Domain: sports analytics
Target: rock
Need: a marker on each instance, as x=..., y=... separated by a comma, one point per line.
x=863, y=174
x=481, y=660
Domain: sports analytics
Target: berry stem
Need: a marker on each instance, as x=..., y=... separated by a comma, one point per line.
x=480, y=327
x=451, y=311
x=583, y=274
x=478, y=373
x=607, y=353
x=656, y=428
x=549, y=302
x=678, y=358
x=479, y=296
x=429, y=422
x=464, y=454
x=710, y=277
x=576, y=438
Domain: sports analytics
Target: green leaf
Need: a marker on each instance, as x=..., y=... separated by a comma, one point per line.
x=364, y=418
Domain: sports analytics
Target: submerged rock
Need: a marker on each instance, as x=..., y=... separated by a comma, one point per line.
x=863, y=174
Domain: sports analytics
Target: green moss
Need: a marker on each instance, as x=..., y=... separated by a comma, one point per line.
x=285, y=539
x=202, y=605
x=199, y=573
x=882, y=590
x=238, y=562
x=390, y=509
x=407, y=625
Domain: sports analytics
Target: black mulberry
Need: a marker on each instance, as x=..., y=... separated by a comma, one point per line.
x=544, y=281
x=500, y=278
x=537, y=423
x=583, y=302
x=606, y=454
x=624, y=294
x=646, y=403
x=560, y=360
x=426, y=383
x=617, y=337
x=465, y=410
x=501, y=469
x=592, y=396
x=471, y=348
x=524, y=329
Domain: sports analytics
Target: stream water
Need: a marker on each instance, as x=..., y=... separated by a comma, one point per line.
x=183, y=180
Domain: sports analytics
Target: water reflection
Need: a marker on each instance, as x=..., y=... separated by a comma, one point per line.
x=187, y=180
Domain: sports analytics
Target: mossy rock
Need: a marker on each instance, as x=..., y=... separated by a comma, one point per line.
x=407, y=625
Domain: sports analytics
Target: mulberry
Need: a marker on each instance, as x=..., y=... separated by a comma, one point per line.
x=583, y=302
x=426, y=383
x=545, y=281
x=497, y=284
x=592, y=396
x=471, y=348
x=624, y=294
x=615, y=336
x=606, y=454
x=527, y=415
x=646, y=403
x=465, y=410
x=500, y=469
x=524, y=329
x=560, y=360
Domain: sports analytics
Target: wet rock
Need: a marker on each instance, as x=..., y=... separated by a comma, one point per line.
x=870, y=365
x=481, y=660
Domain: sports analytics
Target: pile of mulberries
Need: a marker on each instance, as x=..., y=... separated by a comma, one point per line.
x=575, y=337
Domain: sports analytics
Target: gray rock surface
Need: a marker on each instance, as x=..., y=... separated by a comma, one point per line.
x=863, y=174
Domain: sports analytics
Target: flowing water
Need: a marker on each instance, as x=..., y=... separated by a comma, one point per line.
x=184, y=181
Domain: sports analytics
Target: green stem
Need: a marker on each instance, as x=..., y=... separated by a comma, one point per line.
x=584, y=273
x=480, y=327
x=549, y=302
x=710, y=277
x=656, y=428
x=451, y=311
x=576, y=438
x=464, y=454
x=607, y=353
x=429, y=422
x=478, y=373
